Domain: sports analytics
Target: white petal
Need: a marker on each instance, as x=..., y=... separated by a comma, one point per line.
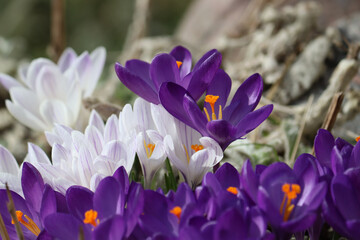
x=13, y=182
x=34, y=70
x=9, y=82
x=200, y=163
x=50, y=83
x=95, y=180
x=97, y=57
x=96, y=121
x=142, y=113
x=164, y=122
x=104, y=165
x=26, y=117
x=210, y=143
x=179, y=162
x=26, y=99
x=8, y=163
x=95, y=138
x=115, y=150
x=23, y=71
x=37, y=155
x=85, y=166
x=54, y=111
x=58, y=154
x=111, y=131
x=66, y=59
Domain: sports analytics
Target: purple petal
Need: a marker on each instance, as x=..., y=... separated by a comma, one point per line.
x=171, y=97
x=79, y=200
x=245, y=99
x=222, y=132
x=163, y=68
x=249, y=180
x=141, y=69
x=32, y=185
x=252, y=120
x=183, y=55
x=204, y=58
x=203, y=75
x=211, y=181
x=106, y=197
x=220, y=86
x=184, y=195
x=228, y=176
x=113, y=228
x=355, y=156
x=64, y=226
x=197, y=117
x=48, y=204
x=231, y=225
x=135, y=204
x=121, y=175
x=323, y=144
x=136, y=84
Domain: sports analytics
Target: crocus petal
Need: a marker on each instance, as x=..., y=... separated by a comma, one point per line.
x=111, y=131
x=222, y=131
x=54, y=111
x=48, y=203
x=163, y=68
x=95, y=138
x=79, y=200
x=249, y=180
x=8, y=163
x=9, y=82
x=245, y=99
x=36, y=154
x=355, y=156
x=203, y=75
x=231, y=225
x=113, y=228
x=228, y=176
x=96, y=121
x=141, y=69
x=106, y=196
x=323, y=144
x=135, y=204
x=63, y=226
x=252, y=120
x=97, y=58
x=50, y=83
x=184, y=56
x=35, y=69
x=136, y=84
x=32, y=185
x=197, y=117
x=171, y=96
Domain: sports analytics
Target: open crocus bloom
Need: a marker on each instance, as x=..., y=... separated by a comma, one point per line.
x=52, y=93
x=145, y=79
x=223, y=123
x=290, y=198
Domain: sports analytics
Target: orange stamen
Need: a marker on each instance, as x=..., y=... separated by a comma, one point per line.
x=232, y=190
x=91, y=218
x=149, y=148
x=29, y=224
x=176, y=211
x=290, y=193
x=178, y=64
x=357, y=139
x=211, y=99
x=197, y=147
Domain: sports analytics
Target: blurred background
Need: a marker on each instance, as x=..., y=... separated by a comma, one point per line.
x=306, y=51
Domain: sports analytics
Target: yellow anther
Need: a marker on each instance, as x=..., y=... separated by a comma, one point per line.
x=176, y=211
x=290, y=193
x=211, y=99
x=197, y=147
x=149, y=148
x=285, y=188
x=296, y=188
x=91, y=217
x=207, y=114
x=357, y=139
x=232, y=190
x=187, y=154
x=29, y=224
x=178, y=64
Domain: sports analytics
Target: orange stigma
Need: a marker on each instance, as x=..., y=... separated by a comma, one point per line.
x=357, y=139
x=29, y=224
x=149, y=148
x=232, y=190
x=290, y=193
x=176, y=211
x=211, y=99
x=178, y=64
x=197, y=147
x=91, y=217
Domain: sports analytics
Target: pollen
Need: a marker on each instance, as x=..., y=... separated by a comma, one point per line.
x=211, y=99
x=91, y=217
x=149, y=148
x=232, y=190
x=291, y=192
x=197, y=147
x=178, y=64
x=29, y=224
x=357, y=139
x=176, y=211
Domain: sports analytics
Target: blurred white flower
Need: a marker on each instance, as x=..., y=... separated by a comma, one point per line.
x=52, y=93
x=9, y=171
x=83, y=158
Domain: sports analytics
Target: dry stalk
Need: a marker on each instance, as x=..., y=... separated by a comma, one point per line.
x=57, y=29
x=11, y=209
x=3, y=233
x=333, y=111
x=81, y=233
x=301, y=130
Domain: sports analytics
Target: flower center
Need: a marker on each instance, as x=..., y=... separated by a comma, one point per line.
x=290, y=193
x=178, y=64
x=29, y=224
x=197, y=147
x=176, y=211
x=211, y=99
x=357, y=139
x=91, y=217
x=149, y=148
x=232, y=190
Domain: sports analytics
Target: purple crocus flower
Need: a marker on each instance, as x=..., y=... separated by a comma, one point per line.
x=290, y=199
x=341, y=208
x=39, y=201
x=102, y=214
x=335, y=155
x=223, y=123
x=145, y=79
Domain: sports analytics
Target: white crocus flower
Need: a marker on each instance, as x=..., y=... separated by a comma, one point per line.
x=51, y=93
x=83, y=158
x=9, y=171
x=139, y=123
